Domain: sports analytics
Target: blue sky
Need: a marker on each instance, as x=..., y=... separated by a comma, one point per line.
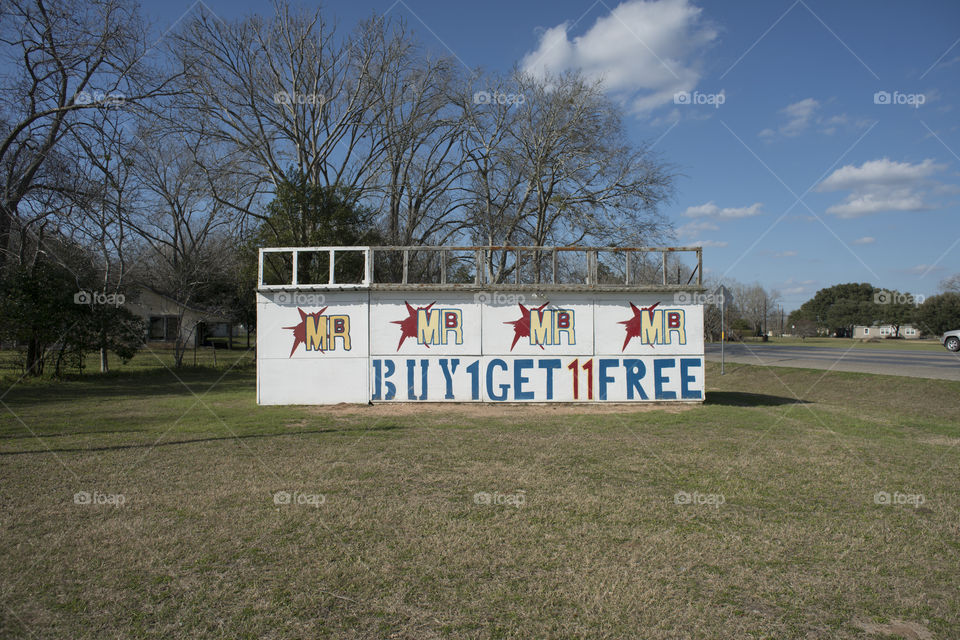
x=818, y=140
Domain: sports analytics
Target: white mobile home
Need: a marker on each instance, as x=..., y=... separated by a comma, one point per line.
x=908, y=331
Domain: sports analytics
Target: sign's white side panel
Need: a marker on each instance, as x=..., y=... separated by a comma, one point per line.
x=312, y=348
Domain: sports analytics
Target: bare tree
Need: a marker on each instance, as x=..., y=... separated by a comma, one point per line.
x=109, y=147
x=68, y=59
x=587, y=182
x=287, y=93
x=370, y=114
x=494, y=177
x=187, y=233
x=754, y=303
x=420, y=171
x=551, y=167
x=951, y=284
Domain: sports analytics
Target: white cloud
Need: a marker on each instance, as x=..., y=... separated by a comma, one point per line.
x=831, y=124
x=711, y=210
x=878, y=171
x=804, y=114
x=865, y=240
x=778, y=254
x=883, y=199
x=880, y=185
x=709, y=243
x=793, y=287
x=922, y=269
x=696, y=228
x=799, y=115
x=645, y=50
x=672, y=118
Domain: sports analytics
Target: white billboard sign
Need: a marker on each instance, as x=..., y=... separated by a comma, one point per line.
x=417, y=346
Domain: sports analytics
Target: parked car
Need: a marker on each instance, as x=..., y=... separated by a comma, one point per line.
x=951, y=340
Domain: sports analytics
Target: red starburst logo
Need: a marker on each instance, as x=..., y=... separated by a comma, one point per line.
x=521, y=327
x=634, y=325
x=300, y=330
x=408, y=326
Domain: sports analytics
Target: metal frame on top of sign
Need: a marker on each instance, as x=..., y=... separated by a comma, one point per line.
x=479, y=341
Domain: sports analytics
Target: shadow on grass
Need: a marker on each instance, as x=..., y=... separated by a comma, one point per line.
x=170, y=443
x=24, y=436
x=149, y=382
x=741, y=399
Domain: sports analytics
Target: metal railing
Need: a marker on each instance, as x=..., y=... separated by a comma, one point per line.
x=507, y=267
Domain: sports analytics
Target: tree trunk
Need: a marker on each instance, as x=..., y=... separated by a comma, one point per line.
x=57, y=370
x=6, y=223
x=178, y=350
x=34, y=364
x=104, y=363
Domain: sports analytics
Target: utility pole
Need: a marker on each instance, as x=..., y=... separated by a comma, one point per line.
x=723, y=293
x=723, y=330
x=764, y=315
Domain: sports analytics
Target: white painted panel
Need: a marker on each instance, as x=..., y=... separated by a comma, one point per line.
x=424, y=324
x=653, y=325
x=547, y=324
x=317, y=381
x=610, y=379
x=425, y=379
x=537, y=379
x=282, y=319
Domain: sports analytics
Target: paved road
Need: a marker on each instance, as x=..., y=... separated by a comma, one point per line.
x=917, y=364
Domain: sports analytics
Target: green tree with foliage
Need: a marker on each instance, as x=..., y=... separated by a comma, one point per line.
x=44, y=310
x=840, y=307
x=102, y=328
x=304, y=214
x=896, y=309
x=939, y=313
x=38, y=310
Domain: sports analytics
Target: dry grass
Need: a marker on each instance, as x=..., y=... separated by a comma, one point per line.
x=400, y=548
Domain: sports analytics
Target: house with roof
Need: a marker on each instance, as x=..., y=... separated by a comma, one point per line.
x=876, y=330
x=166, y=319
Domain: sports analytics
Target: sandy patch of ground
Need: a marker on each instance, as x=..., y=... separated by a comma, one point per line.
x=898, y=628
x=946, y=441
x=486, y=410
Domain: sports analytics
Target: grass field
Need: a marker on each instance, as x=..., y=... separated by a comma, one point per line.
x=792, y=504
x=925, y=344
x=148, y=358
